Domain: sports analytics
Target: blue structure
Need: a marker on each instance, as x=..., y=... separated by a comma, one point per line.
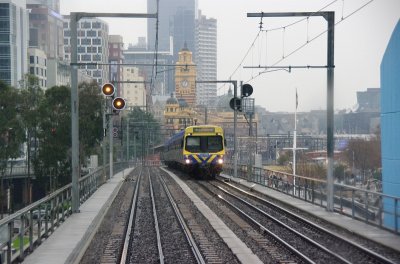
x=390, y=126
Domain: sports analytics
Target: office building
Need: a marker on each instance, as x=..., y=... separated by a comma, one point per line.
x=13, y=41
x=52, y=4
x=206, y=59
x=38, y=66
x=175, y=28
x=116, y=58
x=134, y=90
x=92, y=47
x=46, y=30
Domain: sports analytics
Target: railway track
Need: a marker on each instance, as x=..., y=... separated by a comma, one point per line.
x=307, y=240
x=156, y=230
x=153, y=221
x=165, y=226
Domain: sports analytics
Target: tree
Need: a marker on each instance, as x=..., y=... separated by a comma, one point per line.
x=366, y=154
x=53, y=159
x=30, y=97
x=90, y=118
x=144, y=128
x=11, y=132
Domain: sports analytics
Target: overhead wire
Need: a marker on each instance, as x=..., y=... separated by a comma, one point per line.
x=258, y=35
x=311, y=40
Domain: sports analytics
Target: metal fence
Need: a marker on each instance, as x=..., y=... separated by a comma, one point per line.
x=24, y=230
x=358, y=203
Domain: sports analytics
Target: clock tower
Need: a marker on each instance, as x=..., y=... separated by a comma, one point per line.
x=185, y=77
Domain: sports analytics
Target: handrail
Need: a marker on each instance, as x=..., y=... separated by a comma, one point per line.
x=361, y=204
x=39, y=219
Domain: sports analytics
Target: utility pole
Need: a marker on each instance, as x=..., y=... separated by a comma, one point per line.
x=74, y=18
x=330, y=18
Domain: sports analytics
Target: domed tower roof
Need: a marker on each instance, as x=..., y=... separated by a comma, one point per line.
x=182, y=103
x=172, y=100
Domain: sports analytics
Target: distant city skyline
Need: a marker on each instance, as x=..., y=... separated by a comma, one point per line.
x=360, y=41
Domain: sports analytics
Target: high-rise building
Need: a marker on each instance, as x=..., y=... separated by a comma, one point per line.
x=52, y=4
x=92, y=46
x=38, y=65
x=46, y=30
x=176, y=25
x=116, y=58
x=206, y=59
x=138, y=54
x=13, y=41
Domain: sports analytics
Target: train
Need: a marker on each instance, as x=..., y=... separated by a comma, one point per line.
x=197, y=150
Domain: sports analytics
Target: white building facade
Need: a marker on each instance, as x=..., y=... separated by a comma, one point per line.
x=92, y=47
x=134, y=92
x=38, y=65
x=14, y=37
x=206, y=59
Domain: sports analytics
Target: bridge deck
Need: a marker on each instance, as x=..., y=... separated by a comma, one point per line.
x=65, y=245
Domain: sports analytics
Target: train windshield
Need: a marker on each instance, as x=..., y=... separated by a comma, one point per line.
x=204, y=143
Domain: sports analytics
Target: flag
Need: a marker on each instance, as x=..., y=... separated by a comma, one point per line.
x=297, y=99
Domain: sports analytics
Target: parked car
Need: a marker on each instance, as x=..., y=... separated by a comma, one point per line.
x=42, y=213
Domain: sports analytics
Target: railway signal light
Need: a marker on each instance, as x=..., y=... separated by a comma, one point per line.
x=119, y=103
x=236, y=104
x=108, y=89
x=247, y=90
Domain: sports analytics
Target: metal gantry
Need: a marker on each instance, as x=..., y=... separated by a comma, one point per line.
x=330, y=18
x=74, y=18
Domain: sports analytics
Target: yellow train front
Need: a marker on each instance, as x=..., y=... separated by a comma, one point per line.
x=198, y=150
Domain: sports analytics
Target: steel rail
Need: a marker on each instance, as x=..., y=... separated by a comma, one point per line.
x=320, y=228
x=309, y=240
x=132, y=215
x=153, y=202
x=185, y=228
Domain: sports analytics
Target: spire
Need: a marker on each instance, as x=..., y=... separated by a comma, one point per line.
x=185, y=48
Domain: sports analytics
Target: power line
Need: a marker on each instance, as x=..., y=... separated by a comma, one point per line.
x=309, y=41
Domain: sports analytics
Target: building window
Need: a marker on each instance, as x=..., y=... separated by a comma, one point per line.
x=86, y=41
x=96, y=25
x=31, y=59
x=91, y=33
x=96, y=41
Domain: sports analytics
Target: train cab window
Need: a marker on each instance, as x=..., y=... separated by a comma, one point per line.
x=193, y=144
x=214, y=144
x=204, y=144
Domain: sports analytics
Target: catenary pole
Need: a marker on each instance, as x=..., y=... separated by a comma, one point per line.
x=330, y=18
x=74, y=18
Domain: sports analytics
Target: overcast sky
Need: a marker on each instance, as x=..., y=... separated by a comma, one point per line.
x=360, y=42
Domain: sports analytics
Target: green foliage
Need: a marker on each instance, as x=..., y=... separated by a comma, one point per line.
x=11, y=130
x=54, y=158
x=144, y=130
x=54, y=135
x=90, y=118
x=283, y=158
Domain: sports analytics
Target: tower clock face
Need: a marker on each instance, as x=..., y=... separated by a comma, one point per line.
x=185, y=83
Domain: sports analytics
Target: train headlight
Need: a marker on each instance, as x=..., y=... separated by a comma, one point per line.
x=220, y=161
x=187, y=161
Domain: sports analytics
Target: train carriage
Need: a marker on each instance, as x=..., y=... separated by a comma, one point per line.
x=198, y=150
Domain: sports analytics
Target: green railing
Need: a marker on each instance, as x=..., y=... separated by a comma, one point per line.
x=24, y=230
x=358, y=203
